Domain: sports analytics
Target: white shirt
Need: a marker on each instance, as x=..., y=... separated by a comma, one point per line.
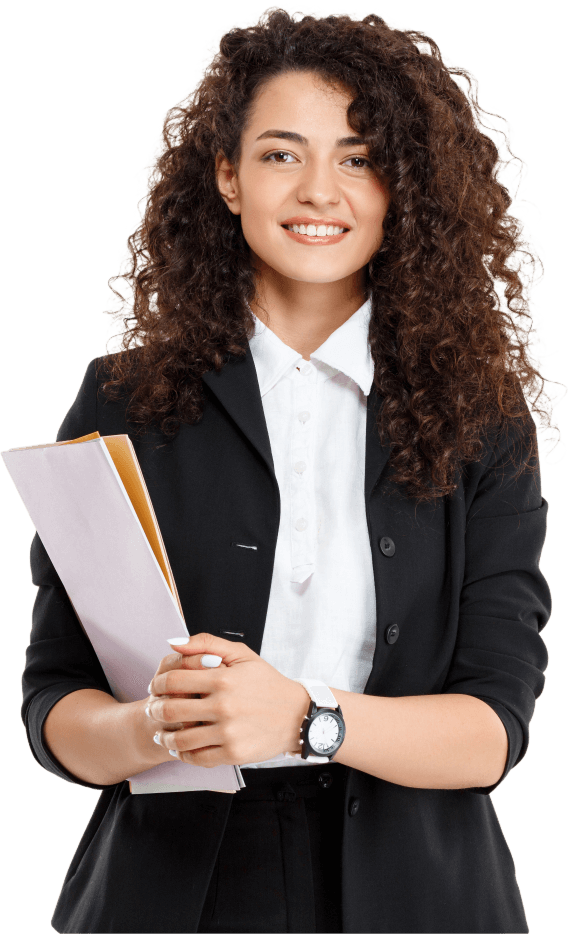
x=321, y=618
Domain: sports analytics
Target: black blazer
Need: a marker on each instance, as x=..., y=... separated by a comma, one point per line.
x=465, y=590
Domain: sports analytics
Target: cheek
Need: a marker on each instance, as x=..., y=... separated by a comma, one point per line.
x=371, y=227
x=254, y=214
x=259, y=237
x=258, y=221
x=376, y=208
x=378, y=200
x=260, y=198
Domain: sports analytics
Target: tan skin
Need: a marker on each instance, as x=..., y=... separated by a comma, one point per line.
x=246, y=708
x=304, y=293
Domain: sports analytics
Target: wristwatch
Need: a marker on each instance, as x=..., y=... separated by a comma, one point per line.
x=323, y=728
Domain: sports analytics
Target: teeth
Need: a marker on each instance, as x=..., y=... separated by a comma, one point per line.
x=312, y=231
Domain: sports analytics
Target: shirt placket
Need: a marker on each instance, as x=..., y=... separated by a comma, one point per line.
x=302, y=514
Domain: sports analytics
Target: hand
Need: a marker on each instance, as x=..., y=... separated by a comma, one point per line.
x=168, y=663
x=251, y=712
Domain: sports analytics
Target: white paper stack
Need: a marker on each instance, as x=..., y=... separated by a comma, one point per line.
x=107, y=549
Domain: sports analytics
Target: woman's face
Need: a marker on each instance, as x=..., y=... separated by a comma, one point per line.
x=301, y=164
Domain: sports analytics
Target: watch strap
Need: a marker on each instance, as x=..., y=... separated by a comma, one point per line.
x=318, y=691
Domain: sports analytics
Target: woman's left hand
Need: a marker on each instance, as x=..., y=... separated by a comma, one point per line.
x=252, y=712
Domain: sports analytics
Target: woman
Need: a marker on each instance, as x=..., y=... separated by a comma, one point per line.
x=327, y=400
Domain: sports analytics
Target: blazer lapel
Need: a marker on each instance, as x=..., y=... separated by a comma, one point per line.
x=236, y=387
x=376, y=453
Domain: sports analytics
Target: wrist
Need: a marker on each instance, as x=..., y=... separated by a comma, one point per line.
x=299, y=708
x=141, y=729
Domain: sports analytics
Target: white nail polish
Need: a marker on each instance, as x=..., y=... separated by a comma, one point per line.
x=182, y=640
x=211, y=661
x=157, y=739
x=174, y=752
x=147, y=711
x=149, y=688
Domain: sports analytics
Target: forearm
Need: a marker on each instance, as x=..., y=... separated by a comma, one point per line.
x=424, y=741
x=101, y=740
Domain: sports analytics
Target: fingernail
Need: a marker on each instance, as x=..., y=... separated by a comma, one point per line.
x=182, y=640
x=149, y=688
x=147, y=710
x=157, y=739
x=211, y=661
x=174, y=752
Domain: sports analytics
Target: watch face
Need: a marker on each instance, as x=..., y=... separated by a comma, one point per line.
x=324, y=733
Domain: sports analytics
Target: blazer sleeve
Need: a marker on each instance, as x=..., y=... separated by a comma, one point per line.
x=505, y=601
x=60, y=658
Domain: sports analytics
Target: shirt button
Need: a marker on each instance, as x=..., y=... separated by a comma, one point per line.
x=303, y=416
x=300, y=524
x=300, y=466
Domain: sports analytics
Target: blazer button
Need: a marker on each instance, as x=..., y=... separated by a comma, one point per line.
x=325, y=779
x=387, y=546
x=392, y=633
x=353, y=806
x=286, y=792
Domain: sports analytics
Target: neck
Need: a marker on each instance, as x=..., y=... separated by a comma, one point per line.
x=304, y=314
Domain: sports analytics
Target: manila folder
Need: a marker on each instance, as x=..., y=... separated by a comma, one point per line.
x=121, y=587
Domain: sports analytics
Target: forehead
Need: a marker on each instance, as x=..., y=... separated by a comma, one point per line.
x=300, y=97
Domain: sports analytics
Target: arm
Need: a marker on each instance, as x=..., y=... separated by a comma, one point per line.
x=475, y=728
x=429, y=741
x=101, y=741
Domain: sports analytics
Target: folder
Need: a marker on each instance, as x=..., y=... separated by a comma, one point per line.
x=89, y=503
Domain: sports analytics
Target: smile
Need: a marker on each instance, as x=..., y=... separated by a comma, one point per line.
x=314, y=240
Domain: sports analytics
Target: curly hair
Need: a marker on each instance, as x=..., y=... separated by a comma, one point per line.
x=451, y=362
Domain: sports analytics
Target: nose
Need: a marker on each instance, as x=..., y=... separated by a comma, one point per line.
x=318, y=184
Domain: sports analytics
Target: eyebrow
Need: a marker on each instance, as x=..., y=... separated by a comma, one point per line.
x=297, y=138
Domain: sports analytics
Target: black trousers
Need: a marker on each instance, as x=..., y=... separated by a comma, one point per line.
x=279, y=864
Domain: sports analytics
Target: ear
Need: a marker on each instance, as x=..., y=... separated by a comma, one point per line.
x=227, y=183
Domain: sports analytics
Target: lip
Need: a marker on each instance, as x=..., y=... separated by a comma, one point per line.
x=328, y=221
x=315, y=241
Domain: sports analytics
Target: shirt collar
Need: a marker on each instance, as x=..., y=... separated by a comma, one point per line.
x=345, y=350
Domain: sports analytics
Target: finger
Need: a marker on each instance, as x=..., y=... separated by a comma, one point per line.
x=203, y=662
x=162, y=724
x=174, y=709
x=189, y=741
x=168, y=663
x=205, y=642
x=184, y=681
x=153, y=712
x=170, y=700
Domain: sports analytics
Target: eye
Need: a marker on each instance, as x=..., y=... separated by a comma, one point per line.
x=359, y=159
x=280, y=152
x=269, y=158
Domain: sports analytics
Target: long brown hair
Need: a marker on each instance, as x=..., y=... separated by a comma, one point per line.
x=451, y=361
